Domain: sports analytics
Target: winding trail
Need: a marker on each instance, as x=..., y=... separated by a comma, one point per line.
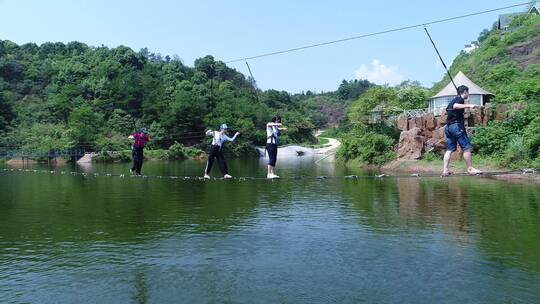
x=332, y=146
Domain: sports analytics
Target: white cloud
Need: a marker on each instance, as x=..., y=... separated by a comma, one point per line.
x=379, y=73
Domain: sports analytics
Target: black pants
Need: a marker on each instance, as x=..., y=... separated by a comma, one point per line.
x=271, y=149
x=137, y=160
x=215, y=152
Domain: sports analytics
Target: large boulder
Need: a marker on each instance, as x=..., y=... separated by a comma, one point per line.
x=428, y=133
x=430, y=121
x=486, y=117
x=441, y=121
x=437, y=140
x=477, y=117
x=411, y=144
x=501, y=112
x=416, y=122
x=402, y=122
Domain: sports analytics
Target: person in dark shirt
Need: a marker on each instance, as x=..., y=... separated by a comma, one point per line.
x=139, y=139
x=455, y=131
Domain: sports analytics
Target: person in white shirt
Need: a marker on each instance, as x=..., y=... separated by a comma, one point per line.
x=273, y=132
x=216, y=150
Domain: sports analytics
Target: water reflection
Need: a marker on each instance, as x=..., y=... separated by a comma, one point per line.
x=501, y=218
x=151, y=241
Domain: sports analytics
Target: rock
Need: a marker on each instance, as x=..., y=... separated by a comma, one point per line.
x=517, y=106
x=501, y=112
x=430, y=121
x=477, y=117
x=441, y=121
x=416, y=122
x=469, y=121
x=486, y=117
x=428, y=133
x=412, y=124
x=411, y=144
x=402, y=122
x=438, y=140
x=457, y=155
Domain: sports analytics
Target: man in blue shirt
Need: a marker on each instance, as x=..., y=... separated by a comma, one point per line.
x=455, y=131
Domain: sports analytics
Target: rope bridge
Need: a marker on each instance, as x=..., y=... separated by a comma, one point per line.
x=529, y=172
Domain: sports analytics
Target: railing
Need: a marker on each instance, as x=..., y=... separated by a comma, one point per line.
x=41, y=154
x=415, y=112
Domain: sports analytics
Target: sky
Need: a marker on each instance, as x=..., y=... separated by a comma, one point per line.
x=234, y=29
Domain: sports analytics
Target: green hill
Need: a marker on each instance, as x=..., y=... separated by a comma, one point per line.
x=58, y=96
x=507, y=63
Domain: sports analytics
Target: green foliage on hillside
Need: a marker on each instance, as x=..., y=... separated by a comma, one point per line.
x=507, y=63
x=59, y=96
x=369, y=133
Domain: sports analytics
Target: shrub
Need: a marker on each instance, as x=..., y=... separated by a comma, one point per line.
x=113, y=156
x=431, y=156
x=371, y=148
x=516, y=154
x=491, y=139
x=531, y=135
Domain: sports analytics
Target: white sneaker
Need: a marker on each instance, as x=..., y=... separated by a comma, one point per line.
x=227, y=176
x=206, y=176
x=271, y=176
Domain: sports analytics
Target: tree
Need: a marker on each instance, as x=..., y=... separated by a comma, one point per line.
x=412, y=95
x=379, y=96
x=84, y=126
x=483, y=35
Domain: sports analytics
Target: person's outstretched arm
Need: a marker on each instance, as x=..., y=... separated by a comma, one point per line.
x=233, y=138
x=209, y=133
x=464, y=106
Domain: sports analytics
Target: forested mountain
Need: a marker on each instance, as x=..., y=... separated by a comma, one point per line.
x=59, y=96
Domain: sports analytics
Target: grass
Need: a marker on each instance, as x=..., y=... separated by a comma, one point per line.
x=322, y=142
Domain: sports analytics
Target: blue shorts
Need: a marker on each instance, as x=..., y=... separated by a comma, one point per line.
x=456, y=134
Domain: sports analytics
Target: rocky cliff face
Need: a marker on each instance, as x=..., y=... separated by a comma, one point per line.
x=426, y=133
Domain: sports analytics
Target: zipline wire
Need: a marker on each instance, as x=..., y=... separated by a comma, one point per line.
x=380, y=32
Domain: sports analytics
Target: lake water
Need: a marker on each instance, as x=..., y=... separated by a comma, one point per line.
x=74, y=239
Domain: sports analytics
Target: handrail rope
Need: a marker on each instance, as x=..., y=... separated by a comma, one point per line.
x=528, y=172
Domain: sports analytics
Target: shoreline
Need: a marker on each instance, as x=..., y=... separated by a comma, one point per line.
x=435, y=167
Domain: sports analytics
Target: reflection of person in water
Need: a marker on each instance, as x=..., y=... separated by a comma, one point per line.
x=418, y=204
